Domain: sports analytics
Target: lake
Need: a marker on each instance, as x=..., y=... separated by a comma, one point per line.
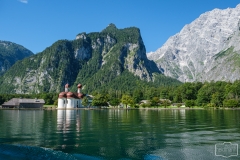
x=164, y=134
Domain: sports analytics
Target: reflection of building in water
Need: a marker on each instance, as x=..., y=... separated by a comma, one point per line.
x=67, y=118
x=69, y=99
x=182, y=113
x=68, y=126
x=179, y=113
x=61, y=114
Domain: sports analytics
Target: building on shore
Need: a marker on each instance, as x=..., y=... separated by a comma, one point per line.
x=24, y=103
x=69, y=100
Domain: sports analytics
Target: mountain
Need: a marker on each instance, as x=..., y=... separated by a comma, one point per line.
x=10, y=53
x=226, y=62
x=111, y=59
x=206, y=49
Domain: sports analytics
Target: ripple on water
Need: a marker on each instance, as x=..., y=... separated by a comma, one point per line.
x=32, y=153
x=187, y=153
x=20, y=152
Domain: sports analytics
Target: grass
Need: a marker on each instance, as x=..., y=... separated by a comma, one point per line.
x=49, y=106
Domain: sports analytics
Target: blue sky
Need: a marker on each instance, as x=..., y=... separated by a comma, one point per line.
x=37, y=24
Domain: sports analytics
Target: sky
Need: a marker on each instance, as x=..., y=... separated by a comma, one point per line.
x=37, y=24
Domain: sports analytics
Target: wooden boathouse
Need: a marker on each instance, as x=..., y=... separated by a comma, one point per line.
x=24, y=103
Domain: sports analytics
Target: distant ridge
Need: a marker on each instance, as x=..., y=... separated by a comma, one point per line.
x=10, y=53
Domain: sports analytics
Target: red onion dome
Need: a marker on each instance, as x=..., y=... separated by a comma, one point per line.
x=80, y=95
x=70, y=95
x=79, y=86
x=67, y=85
x=62, y=95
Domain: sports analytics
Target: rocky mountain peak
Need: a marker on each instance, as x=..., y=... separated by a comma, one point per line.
x=187, y=55
x=111, y=25
x=81, y=36
x=111, y=28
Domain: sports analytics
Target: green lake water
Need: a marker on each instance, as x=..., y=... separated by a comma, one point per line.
x=176, y=134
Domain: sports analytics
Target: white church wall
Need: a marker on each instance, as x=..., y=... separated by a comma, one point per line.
x=61, y=102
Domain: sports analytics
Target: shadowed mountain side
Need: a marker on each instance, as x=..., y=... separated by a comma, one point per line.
x=11, y=53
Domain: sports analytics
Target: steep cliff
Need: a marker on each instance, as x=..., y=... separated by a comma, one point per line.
x=225, y=65
x=190, y=55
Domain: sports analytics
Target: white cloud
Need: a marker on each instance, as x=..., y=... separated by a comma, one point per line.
x=24, y=1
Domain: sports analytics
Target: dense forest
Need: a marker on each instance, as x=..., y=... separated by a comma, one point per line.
x=207, y=94
x=10, y=53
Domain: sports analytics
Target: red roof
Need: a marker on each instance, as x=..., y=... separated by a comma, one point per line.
x=62, y=94
x=71, y=94
x=79, y=86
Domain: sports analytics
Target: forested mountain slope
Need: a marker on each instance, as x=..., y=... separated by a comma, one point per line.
x=10, y=53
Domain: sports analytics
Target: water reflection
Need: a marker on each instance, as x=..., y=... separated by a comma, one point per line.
x=120, y=133
x=64, y=120
x=68, y=129
x=16, y=125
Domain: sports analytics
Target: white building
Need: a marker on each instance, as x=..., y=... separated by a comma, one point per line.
x=68, y=100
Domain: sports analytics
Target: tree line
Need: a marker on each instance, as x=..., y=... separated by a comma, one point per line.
x=207, y=94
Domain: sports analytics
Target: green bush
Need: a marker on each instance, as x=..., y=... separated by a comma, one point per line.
x=231, y=103
x=189, y=103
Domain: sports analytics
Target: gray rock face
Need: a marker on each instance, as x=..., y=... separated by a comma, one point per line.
x=82, y=53
x=81, y=36
x=137, y=63
x=190, y=55
x=225, y=65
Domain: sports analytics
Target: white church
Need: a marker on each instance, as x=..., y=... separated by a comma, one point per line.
x=69, y=100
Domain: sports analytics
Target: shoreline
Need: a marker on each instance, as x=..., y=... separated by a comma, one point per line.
x=180, y=108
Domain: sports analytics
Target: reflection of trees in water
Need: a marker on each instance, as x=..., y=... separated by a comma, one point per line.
x=120, y=133
x=117, y=133
x=21, y=126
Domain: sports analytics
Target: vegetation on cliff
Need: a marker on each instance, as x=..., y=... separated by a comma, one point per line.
x=114, y=58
